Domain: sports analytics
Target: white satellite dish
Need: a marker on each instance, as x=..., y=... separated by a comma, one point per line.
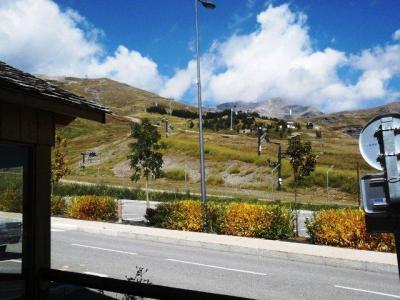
x=368, y=143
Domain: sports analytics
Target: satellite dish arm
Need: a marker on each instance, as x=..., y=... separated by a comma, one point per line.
x=389, y=158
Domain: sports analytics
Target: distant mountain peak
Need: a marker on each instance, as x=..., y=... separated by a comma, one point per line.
x=273, y=108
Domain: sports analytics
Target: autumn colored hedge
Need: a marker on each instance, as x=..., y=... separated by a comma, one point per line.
x=58, y=206
x=261, y=221
x=95, y=208
x=346, y=228
x=240, y=219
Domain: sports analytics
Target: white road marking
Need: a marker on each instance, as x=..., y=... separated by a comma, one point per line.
x=64, y=226
x=12, y=260
x=57, y=230
x=366, y=291
x=96, y=274
x=215, y=267
x=104, y=249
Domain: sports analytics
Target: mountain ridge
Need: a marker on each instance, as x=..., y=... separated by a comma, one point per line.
x=273, y=108
x=125, y=100
x=121, y=98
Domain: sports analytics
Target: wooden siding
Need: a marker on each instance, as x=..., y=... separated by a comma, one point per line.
x=26, y=125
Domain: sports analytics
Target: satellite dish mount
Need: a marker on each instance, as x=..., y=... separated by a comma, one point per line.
x=380, y=192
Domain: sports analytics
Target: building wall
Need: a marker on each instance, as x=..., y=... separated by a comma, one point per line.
x=26, y=125
x=34, y=129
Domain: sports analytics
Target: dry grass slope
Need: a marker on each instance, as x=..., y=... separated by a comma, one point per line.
x=233, y=166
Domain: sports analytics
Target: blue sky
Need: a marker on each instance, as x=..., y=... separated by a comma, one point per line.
x=330, y=54
x=164, y=29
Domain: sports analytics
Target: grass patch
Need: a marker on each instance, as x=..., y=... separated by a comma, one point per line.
x=344, y=180
x=175, y=174
x=215, y=180
x=234, y=170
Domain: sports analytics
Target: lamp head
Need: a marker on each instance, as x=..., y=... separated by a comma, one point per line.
x=207, y=4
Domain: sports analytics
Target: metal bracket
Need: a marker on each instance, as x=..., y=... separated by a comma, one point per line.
x=396, y=130
x=386, y=135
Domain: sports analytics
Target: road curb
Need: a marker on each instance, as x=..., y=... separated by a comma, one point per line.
x=385, y=262
x=333, y=262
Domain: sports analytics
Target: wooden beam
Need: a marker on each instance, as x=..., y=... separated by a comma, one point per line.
x=29, y=128
x=45, y=128
x=63, y=120
x=26, y=125
x=10, y=122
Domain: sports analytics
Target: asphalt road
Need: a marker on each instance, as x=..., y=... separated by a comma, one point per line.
x=215, y=271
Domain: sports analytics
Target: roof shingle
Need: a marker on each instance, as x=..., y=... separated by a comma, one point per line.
x=17, y=79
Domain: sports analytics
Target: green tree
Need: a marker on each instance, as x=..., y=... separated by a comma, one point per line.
x=59, y=166
x=145, y=161
x=303, y=161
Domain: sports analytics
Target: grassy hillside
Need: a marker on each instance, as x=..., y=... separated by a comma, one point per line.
x=358, y=118
x=121, y=98
x=232, y=165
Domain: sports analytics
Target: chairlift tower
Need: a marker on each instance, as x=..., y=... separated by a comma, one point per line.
x=265, y=136
x=171, y=100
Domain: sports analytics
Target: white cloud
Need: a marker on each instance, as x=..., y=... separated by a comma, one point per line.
x=186, y=79
x=278, y=60
x=396, y=35
x=128, y=67
x=37, y=36
x=250, y=3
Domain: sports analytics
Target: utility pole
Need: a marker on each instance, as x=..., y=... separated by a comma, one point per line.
x=264, y=135
x=327, y=182
x=272, y=174
x=279, y=166
x=166, y=128
x=231, y=119
x=186, y=184
x=170, y=106
x=260, y=132
x=208, y=5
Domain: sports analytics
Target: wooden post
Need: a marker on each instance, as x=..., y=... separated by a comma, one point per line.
x=38, y=243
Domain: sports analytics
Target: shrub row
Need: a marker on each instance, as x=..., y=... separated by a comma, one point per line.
x=70, y=189
x=346, y=228
x=240, y=219
x=11, y=191
x=94, y=208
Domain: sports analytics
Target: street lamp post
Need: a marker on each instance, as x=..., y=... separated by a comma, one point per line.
x=272, y=174
x=208, y=5
x=327, y=182
x=231, y=119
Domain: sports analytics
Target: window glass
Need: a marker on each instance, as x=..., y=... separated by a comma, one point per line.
x=11, y=201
